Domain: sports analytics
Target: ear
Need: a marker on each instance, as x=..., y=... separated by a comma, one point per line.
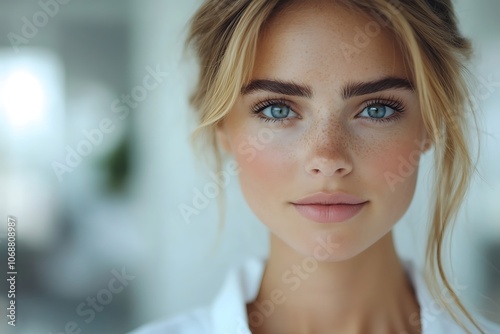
x=222, y=138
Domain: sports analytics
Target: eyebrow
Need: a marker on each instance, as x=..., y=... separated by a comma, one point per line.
x=386, y=83
x=279, y=87
x=350, y=90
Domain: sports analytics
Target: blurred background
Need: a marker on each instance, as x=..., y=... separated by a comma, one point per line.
x=96, y=168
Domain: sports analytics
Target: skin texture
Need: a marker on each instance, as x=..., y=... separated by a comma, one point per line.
x=335, y=277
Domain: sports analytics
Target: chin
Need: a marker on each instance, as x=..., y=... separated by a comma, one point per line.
x=330, y=248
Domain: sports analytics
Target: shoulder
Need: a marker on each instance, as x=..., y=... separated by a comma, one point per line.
x=196, y=321
x=434, y=317
x=226, y=313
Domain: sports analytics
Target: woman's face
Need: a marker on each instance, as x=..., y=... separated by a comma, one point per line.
x=330, y=109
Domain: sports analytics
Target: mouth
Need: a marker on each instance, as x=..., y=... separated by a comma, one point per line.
x=329, y=213
x=329, y=207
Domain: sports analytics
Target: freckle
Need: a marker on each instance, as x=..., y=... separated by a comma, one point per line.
x=371, y=148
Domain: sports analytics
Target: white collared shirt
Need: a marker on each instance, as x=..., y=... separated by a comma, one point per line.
x=228, y=314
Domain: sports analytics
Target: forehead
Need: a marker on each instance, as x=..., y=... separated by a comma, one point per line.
x=320, y=42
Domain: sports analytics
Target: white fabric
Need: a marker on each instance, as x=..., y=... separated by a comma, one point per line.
x=227, y=314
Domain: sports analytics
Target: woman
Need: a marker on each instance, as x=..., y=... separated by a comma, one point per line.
x=326, y=106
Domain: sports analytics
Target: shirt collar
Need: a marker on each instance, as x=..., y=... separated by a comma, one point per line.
x=229, y=314
x=241, y=286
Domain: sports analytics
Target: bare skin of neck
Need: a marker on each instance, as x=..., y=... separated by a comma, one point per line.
x=369, y=293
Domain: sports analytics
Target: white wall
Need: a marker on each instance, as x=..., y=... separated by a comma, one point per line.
x=179, y=271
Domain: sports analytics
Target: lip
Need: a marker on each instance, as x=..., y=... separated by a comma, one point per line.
x=329, y=198
x=329, y=207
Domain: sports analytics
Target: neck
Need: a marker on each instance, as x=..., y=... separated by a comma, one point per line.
x=368, y=291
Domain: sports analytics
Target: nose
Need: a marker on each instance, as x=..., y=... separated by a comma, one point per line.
x=329, y=155
x=328, y=167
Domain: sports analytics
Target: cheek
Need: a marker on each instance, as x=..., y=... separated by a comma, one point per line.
x=264, y=165
x=395, y=160
x=393, y=174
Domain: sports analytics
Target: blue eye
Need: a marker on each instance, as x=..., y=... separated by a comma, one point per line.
x=377, y=110
x=382, y=110
x=277, y=111
x=274, y=111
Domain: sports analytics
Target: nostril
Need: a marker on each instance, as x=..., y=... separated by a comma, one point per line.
x=328, y=167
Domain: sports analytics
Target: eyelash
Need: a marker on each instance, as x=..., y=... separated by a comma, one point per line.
x=260, y=106
x=394, y=103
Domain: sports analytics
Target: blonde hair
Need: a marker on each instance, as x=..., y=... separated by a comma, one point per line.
x=224, y=35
